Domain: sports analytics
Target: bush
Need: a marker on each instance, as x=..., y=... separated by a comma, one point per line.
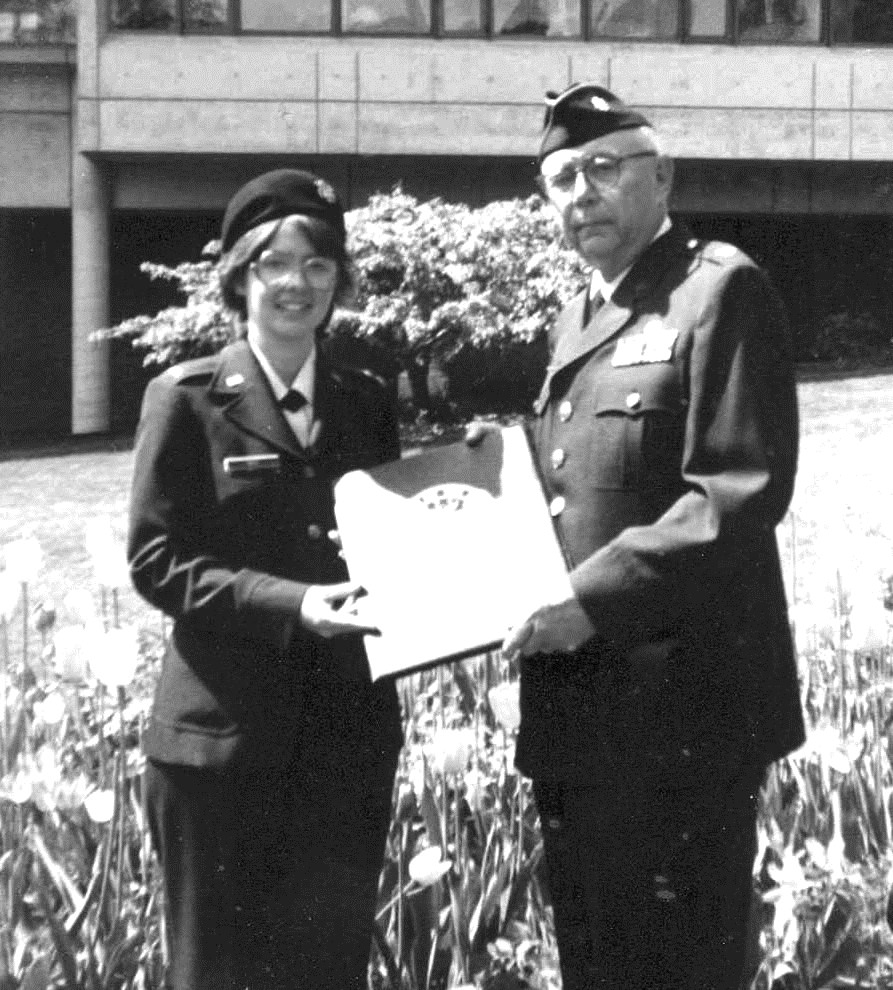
x=468, y=292
x=848, y=338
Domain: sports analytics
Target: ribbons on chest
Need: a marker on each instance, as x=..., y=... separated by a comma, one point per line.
x=652, y=345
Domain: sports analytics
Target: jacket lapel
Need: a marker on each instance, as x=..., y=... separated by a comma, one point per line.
x=574, y=340
x=243, y=391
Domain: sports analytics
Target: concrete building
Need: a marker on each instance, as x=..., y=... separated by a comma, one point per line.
x=123, y=130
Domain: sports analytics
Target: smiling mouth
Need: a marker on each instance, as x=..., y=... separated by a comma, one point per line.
x=294, y=306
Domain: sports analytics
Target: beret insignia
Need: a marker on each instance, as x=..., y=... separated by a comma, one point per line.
x=325, y=191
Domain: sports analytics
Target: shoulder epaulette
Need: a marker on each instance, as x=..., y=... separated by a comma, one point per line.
x=720, y=252
x=192, y=370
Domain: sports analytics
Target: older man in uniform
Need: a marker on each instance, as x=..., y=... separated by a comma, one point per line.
x=654, y=698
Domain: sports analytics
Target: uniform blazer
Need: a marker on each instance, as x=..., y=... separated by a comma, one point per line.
x=228, y=527
x=667, y=436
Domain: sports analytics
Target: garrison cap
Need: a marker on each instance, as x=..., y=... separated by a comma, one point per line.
x=279, y=194
x=581, y=113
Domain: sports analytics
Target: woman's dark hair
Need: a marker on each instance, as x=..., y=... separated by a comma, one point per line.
x=326, y=241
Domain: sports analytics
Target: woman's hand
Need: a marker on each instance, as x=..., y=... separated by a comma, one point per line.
x=334, y=610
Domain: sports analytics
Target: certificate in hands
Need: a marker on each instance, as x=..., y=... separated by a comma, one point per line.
x=453, y=545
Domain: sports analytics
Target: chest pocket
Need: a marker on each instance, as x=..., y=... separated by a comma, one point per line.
x=638, y=422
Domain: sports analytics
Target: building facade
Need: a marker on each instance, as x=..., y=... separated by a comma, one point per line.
x=125, y=128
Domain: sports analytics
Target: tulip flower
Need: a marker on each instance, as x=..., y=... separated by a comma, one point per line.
x=505, y=704
x=451, y=749
x=10, y=593
x=24, y=559
x=79, y=604
x=51, y=710
x=18, y=788
x=114, y=656
x=100, y=805
x=428, y=866
x=107, y=553
x=70, y=645
x=869, y=625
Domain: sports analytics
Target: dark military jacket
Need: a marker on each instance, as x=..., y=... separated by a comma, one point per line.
x=666, y=433
x=229, y=518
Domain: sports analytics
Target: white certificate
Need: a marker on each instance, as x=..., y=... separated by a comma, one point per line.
x=453, y=545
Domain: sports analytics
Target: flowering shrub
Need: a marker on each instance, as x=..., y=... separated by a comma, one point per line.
x=470, y=292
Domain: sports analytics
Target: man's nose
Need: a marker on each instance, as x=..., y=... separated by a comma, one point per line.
x=583, y=188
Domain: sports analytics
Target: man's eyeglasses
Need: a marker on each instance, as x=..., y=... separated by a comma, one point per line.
x=272, y=268
x=600, y=171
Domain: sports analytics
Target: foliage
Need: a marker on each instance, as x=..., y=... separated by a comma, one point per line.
x=845, y=338
x=469, y=292
x=27, y=22
x=462, y=900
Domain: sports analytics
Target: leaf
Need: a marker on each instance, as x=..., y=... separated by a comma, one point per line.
x=37, y=975
x=61, y=940
x=431, y=815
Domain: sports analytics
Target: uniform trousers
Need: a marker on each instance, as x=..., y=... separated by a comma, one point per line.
x=271, y=872
x=651, y=887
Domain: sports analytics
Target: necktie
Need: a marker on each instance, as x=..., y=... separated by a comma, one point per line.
x=292, y=401
x=596, y=302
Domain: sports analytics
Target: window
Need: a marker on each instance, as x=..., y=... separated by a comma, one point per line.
x=634, y=18
x=708, y=18
x=386, y=16
x=779, y=20
x=862, y=21
x=463, y=17
x=555, y=18
x=292, y=16
x=26, y=22
x=747, y=21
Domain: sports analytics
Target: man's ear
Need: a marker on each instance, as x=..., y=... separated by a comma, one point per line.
x=664, y=174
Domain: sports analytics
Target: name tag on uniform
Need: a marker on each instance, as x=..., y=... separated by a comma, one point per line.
x=653, y=345
x=251, y=464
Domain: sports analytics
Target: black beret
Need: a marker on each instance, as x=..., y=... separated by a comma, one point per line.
x=582, y=113
x=279, y=194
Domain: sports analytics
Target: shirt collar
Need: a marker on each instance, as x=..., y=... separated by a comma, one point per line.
x=303, y=381
x=598, y=285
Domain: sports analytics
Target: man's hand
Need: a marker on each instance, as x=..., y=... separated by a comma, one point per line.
x=559, y=628
x=335, y=609
x=476, y=431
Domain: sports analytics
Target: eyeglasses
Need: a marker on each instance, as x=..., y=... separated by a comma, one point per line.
x=272, y=268
x=600, y=171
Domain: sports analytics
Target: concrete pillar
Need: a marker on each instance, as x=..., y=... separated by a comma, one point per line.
x=90, y=213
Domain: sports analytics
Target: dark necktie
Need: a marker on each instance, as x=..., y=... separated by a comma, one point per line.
x=292, y=401
x=595, y=303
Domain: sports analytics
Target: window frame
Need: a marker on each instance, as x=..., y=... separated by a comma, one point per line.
x=232, y=25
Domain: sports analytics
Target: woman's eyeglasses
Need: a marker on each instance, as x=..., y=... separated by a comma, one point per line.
x=601, y=172
x=272, y=268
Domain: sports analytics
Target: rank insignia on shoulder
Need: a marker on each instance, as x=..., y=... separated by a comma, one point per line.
x=653, y=345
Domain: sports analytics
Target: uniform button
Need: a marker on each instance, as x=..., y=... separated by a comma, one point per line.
x=556, y=506
x=314, y=532
x=557, y=458
x=565, y=411
x=309, y=472
x=633, y=400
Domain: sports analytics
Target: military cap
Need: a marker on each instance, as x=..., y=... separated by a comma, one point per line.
x=581, y=113
x=279, y=194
